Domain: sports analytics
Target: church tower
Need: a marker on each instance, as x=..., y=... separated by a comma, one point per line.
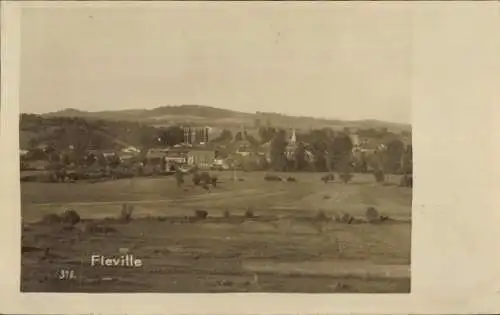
x=293, y=138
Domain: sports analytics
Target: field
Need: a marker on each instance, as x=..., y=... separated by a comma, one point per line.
x=285, y=247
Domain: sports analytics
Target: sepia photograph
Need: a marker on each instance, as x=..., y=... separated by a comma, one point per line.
x=195, y=148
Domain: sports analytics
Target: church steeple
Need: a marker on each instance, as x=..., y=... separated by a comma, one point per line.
x=293, y=138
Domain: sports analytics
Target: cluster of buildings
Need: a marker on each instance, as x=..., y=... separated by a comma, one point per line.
x=182, y=156
x=196, y=135
x=196, y=151
x=236, y=152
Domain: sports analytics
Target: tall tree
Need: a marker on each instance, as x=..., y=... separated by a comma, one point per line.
x=394, y=154
x=238, y=136
x=267, y=133
x=172, y=135
x=318, y=144
x=278, y=145
x=103, y=161
x=225, y=136
x=407, y=164
x=251, y=139
x=300, y=162
x=340, y=151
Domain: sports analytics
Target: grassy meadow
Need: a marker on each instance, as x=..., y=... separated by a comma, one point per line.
x=284, y=247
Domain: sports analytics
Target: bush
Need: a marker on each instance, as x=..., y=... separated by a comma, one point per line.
x=346, y=177
x=379, y=176
x=328, y=177
x=272, y=178
x=347, y=218
x=70, y=216
x=321, y=216
x=249, y=214
x=337, y=217
x=91, y=227
x=196, y=179
x=372, y=214
x=126, y=214
x=406, y=181
x=206, y=178
x=179, y=178
x=291, y=179
x=200, y=214
x=214, y=181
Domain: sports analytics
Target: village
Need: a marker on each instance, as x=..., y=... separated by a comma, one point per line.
x=215, y=149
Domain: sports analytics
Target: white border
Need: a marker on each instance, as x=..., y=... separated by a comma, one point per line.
x=455, y=267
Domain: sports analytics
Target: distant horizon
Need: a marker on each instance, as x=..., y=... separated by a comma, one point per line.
x=326, y=60
x=215, y=107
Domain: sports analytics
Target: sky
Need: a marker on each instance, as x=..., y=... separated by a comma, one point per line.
x=327, y=59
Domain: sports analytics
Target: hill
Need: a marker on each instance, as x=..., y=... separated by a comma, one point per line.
x=80, y=132
x=223, y=118
x=141, y=127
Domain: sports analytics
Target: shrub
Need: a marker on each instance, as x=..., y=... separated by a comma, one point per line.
x=379, y=176
x=321, y=216
x=70, y=216
x=346, y=177
x=126, y=213
x=406, y=181
x=179, y=178
x=91, y=227
x=272, y=178
x=328, y=177
x=249, y=214
x=291, y=179
x=196, y=179
x=372, y=214
x=214, y=181
x=337, y=217
x=347, y=218
x=205, y=178
x=200, y=214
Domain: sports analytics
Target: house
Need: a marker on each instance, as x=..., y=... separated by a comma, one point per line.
x=196, y=135
x=244, y=149
x=174, y=158
x=109, y=154
x=42, y=147
x=201, y=157
x=220, y=164
x=40, y=165
x=130, y=149
x=125, y=157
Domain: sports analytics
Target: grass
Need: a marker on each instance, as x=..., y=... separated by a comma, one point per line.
x=222, y=254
